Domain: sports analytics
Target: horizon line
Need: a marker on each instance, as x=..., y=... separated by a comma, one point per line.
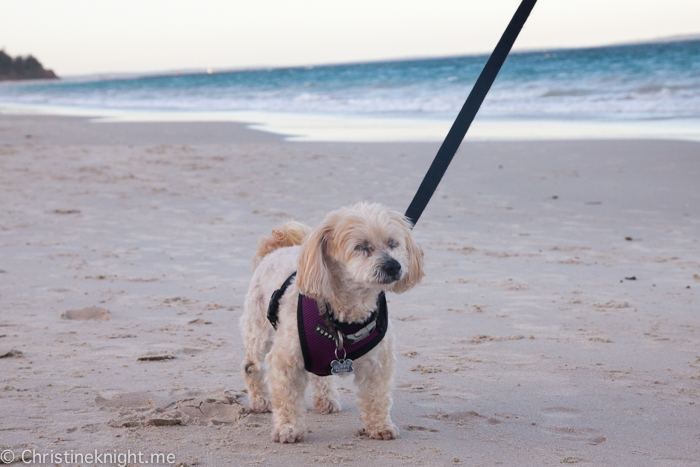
x=209, y=70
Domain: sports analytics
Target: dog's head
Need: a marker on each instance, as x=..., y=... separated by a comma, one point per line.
x=366, y=246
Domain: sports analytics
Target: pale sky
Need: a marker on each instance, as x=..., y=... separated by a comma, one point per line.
x=102, y=36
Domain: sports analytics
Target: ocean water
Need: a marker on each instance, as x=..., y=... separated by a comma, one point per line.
x=629, y=83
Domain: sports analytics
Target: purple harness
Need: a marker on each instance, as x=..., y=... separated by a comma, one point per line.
x=329, y=346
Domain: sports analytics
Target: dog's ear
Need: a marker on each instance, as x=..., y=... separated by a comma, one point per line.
x=415, y=260
x=313, y=276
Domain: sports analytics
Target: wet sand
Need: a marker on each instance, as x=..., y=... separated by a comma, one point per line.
x=558, y=322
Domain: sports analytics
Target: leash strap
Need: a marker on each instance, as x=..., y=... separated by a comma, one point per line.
x=273, y=308
x=466, y=115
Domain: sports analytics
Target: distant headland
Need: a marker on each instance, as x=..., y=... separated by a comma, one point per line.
x=22, y=68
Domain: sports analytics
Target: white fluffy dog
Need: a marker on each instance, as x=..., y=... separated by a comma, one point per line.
x=356, y=253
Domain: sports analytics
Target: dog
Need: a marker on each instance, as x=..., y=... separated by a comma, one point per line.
x=355, y=255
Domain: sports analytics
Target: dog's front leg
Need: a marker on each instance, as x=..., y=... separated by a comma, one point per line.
x=288, y=384
x=374, y=375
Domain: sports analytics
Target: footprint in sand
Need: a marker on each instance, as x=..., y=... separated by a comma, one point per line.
x=132, y=400
x=420, y=387
x=419, y=428
x=462, y=418
x=560, y=412
x=10, y=353
x=199, y=321
x=587, y=435
x=91, y=313
x=140, y=409
x=480, y=339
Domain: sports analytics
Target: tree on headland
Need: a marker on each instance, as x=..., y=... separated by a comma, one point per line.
x=22, y=68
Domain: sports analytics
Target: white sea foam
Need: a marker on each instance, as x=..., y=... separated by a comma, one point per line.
x=353, y=128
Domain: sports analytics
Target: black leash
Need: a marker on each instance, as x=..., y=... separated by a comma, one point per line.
x=466, y=115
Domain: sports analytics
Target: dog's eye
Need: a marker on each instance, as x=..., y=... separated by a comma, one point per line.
x=393, y=244
x=364, y=248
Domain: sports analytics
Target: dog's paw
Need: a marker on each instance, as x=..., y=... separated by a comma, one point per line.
x=287, y=434
x=260, y=405
x=326, y=406
x=385, y=432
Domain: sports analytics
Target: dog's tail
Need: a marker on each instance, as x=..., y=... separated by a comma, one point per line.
x=289, y=234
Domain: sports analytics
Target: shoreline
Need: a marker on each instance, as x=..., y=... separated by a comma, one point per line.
x=557, y=322
x=372, y=129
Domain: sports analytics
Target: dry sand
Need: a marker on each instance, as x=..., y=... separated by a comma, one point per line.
x=558, y=322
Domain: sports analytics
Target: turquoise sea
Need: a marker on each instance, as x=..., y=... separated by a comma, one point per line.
x=649, y=82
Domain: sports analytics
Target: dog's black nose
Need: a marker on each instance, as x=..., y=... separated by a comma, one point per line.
x=392, y=268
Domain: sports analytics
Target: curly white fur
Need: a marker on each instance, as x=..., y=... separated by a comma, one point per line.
x=346, y=261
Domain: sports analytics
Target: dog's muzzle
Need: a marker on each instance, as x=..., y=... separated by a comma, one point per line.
x=390, y=271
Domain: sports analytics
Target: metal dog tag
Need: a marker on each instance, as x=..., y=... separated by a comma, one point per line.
x=341, y=366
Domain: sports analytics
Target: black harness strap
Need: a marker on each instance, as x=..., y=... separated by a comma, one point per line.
x=273, y=308
x=466, y=115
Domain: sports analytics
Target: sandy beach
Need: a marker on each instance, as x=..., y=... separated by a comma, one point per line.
x=557, y=324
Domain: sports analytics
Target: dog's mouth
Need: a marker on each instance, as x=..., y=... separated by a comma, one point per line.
x=384, y=280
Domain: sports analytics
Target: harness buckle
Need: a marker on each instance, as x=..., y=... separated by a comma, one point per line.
x=362, y=333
